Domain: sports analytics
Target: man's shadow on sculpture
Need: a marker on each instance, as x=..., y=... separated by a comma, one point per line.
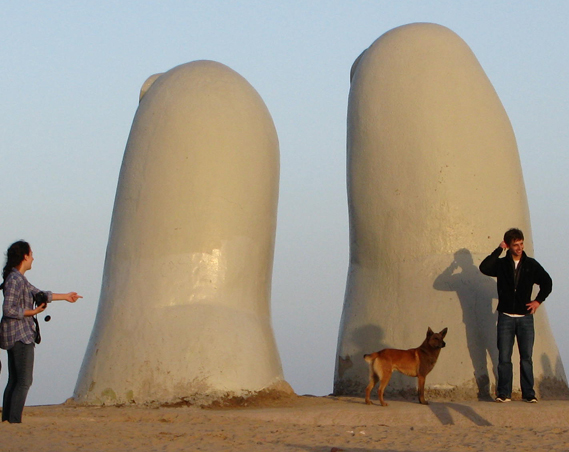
x=475, y=293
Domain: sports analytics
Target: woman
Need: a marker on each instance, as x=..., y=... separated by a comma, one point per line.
x=18, y=329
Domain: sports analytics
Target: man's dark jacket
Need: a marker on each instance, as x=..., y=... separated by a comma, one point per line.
x=512, y=297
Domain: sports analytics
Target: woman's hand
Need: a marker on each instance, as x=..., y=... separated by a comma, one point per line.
x=36, y=311
x=72, y=297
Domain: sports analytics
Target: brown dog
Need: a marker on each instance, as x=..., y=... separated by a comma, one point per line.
x=415, y=362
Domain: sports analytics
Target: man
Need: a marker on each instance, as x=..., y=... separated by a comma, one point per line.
x=516, y=273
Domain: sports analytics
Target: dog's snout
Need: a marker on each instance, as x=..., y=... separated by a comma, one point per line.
x=444, y=344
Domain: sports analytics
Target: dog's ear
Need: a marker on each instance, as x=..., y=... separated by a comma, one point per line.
x=430, y=332
x=443, y=333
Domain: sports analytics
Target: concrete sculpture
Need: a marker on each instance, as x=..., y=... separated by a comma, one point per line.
x=434, y=180
x=184, y=311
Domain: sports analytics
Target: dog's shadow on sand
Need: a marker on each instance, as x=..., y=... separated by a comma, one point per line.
x=475, y=293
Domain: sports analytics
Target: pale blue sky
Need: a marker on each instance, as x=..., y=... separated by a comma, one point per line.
x=70, y=77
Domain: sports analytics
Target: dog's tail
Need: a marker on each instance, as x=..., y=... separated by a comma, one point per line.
x=369, y=358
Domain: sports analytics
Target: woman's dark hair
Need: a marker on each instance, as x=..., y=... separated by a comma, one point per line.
x=14, y=257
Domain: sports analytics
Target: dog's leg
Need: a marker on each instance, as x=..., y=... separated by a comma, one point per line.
x=421, y=385
x=385, y=377
x=373, y=379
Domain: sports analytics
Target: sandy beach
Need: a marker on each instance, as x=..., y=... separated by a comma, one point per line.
x=315, y=424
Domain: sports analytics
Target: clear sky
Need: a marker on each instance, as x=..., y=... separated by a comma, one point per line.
x=70, y=77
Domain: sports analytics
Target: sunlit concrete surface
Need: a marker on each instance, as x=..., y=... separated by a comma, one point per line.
x=184, y=311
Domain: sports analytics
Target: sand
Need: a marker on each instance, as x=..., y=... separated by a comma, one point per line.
x=297, y=424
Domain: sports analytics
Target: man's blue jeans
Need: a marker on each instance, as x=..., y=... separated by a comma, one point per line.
x=520, y=328
x=21, y=370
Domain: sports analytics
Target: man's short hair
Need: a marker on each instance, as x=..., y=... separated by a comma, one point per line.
x=513, y=235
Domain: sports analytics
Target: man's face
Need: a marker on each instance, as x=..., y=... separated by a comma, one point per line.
x=516, y=249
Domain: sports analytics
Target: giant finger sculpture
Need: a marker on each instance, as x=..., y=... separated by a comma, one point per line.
x=184, y=312
x=434, y=180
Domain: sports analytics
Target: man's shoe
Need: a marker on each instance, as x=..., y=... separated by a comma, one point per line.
x=531, y=400
x=503, y=399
